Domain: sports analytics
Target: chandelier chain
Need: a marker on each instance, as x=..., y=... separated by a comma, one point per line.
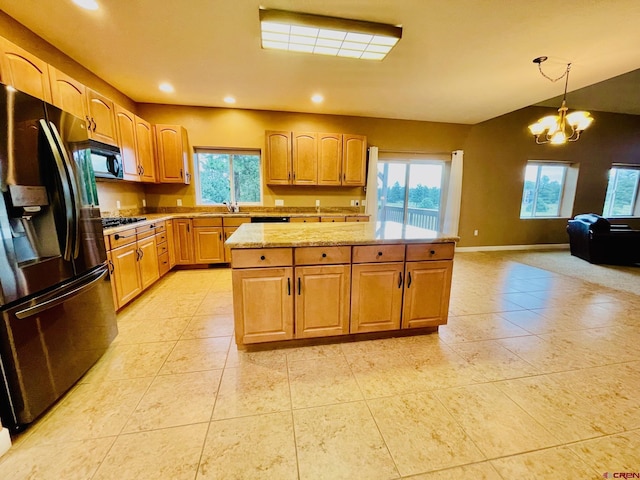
x=566, y=72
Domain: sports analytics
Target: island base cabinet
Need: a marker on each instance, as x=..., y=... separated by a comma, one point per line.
x=322, y=301
x=263, y=304
x=426, y=294
x=376, y=297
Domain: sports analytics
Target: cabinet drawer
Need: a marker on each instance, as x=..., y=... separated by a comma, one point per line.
x=358, y=218
x=378, y=253
x=161, y=237
x=430, y=251
x=163, y=263
x=207, y=222
x=304, y=219
x=332, y=219
x=322, y=255
x=122, y=238
x=261, y=257
x=235, y=221
x=150, y=229
x=162, y=248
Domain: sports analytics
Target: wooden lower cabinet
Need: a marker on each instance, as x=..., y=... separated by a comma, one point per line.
x=148, y=261
x=376, y=297
x=426, y=294
x=126, y=274
x=171, y=249
x=322, y=300
x=208, y=244
x=263, y=304
x=183, y=241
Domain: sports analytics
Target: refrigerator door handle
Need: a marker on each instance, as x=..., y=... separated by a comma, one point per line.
x=68, y=201
x=74, y=190
x=58, y=299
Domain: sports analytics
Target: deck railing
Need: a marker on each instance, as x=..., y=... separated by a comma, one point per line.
x=418, y=217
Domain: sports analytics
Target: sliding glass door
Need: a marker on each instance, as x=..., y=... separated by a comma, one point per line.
x=409, y=192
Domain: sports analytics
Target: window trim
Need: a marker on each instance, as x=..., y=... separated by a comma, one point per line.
x=635, y=202
x=567, y=188
x=231, y=152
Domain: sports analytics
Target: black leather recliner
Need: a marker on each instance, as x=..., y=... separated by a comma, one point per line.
x=595, y=239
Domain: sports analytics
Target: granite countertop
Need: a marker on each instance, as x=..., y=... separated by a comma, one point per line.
x=157, y=217
x=260, y=235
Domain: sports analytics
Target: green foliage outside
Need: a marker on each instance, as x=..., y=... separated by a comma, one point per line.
x=215, y=180
x=623, y=185
x=547, y=203
x=419, y=196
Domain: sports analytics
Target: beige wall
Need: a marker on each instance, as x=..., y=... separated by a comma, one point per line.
x=224, y=127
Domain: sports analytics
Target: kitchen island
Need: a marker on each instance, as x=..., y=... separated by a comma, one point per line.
x=325, y=279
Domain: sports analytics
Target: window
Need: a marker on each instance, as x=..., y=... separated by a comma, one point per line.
x=227, y=176
x=543, y=190
x=418, y=205
x=622, y=192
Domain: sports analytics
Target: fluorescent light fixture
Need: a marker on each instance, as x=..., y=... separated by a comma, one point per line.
x=341, y=37
x=166, y=87
x=87, y=4
x=229, y=99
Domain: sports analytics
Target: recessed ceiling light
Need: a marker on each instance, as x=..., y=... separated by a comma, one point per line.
x=166, y=87
x=317, y=98
x=341, y=37
x=87, y=4
x=229, y=99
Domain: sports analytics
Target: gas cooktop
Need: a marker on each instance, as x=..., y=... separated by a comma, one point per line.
x=108, y=222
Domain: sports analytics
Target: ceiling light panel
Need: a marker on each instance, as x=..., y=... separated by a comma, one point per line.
x=301, y=32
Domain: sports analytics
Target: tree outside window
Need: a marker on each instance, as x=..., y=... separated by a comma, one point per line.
x=228, y=176
x=543, y=187
x=622, y=192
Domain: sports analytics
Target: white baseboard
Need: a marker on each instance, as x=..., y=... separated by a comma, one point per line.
x=5, y=441
x=494, y=248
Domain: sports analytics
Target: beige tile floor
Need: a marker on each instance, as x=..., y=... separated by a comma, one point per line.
x=537, y=375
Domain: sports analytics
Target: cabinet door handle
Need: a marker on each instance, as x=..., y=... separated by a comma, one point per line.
x=344, y=176
x=188, y=228
x=400, y=280
x=94, y=124
x=112, y=267
x=299, y=286
x=409, y=281
x=288, y=286
x=181, y=173
x=220, y=235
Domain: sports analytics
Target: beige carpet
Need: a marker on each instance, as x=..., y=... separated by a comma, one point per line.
x=625, y=278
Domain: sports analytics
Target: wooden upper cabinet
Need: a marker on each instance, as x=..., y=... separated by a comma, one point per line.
x=144, y=150
x=329, y=159
x=278, y=161
x=304, y=158
x=24, y=71
x=68, y=94
x=172, y=154
x=125, y=121
x=354, y=160
x=102, y=118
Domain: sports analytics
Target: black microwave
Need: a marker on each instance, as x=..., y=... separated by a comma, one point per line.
x=106, y=160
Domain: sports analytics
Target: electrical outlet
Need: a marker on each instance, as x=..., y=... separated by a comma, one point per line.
x=144, y=203
x=317, y=203
x=475, y=233
x=279, y=203
x=118, y=204
x=179, y=202
x=353, y=203
x=364, y=203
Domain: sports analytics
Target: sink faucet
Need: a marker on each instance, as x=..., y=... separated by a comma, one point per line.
x=231, y=206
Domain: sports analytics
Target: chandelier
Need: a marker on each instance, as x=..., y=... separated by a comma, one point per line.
x=561, y=128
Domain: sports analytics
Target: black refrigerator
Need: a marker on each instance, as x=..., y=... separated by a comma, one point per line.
x=57, y=310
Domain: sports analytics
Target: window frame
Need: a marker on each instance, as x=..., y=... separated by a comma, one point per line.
x=231, y=152
x=567, y=189
x=635, y=201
